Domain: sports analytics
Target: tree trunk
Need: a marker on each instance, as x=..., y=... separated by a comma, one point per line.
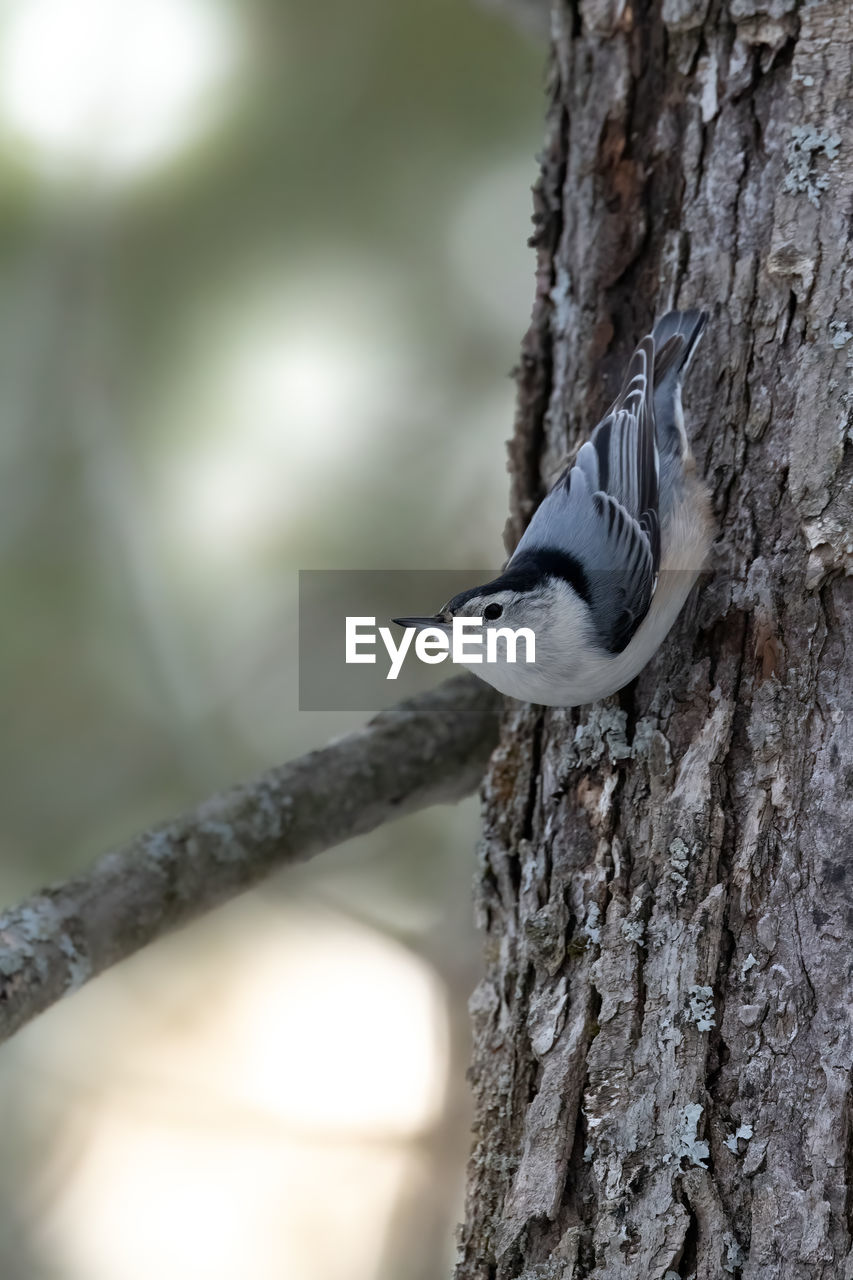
x=663, y=1036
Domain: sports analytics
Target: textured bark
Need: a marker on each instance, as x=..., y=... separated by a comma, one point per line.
x=430, y=749
x=663, y=1036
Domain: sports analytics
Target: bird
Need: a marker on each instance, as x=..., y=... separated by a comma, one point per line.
x=610, y=555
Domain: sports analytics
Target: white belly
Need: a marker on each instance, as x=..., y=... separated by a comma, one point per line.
x=554, y=684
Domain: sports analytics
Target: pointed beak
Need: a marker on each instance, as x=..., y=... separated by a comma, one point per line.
x=419, y=624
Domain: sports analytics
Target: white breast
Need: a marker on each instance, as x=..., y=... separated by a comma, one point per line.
x=572, y=675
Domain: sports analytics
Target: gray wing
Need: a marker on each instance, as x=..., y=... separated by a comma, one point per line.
x=602, y=514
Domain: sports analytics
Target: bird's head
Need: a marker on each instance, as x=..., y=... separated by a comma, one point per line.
x=538, y=591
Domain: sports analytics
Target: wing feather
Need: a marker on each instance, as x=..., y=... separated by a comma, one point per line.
x=604, y=509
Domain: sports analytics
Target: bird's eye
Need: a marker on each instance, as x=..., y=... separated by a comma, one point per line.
x=492, y=611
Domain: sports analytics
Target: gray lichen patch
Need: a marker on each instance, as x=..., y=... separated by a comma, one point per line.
x=651, y=745
x=742, y=1132
x=634, y=931
x=26, y=936
x=688, y=1144
x=602, y=734
x=701, y=1007
x=220, y=838
x=592, y=927
x=11, y=962
x=840, y=334
x=159, y=844
x=734, y=1257
x=810, y=159
x=79, y=964
x=679, y=861
x=633, y=927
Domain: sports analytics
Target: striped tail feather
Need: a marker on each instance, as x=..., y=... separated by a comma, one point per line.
x=675, y=335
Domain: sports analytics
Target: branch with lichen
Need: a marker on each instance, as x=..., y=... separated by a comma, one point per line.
x=427, y=750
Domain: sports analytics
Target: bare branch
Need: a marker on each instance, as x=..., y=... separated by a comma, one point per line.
x=430, y=749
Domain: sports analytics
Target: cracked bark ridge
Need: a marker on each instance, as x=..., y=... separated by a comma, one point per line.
x=663, y=1044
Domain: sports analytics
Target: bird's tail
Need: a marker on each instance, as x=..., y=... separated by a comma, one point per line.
x=675, y=336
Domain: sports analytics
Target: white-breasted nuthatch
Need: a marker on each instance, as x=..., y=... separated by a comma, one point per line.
x=611, y=553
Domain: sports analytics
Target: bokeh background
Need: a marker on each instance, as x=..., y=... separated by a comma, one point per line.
x=263, y=278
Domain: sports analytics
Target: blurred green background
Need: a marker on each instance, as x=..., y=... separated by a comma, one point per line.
x=263, y=277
